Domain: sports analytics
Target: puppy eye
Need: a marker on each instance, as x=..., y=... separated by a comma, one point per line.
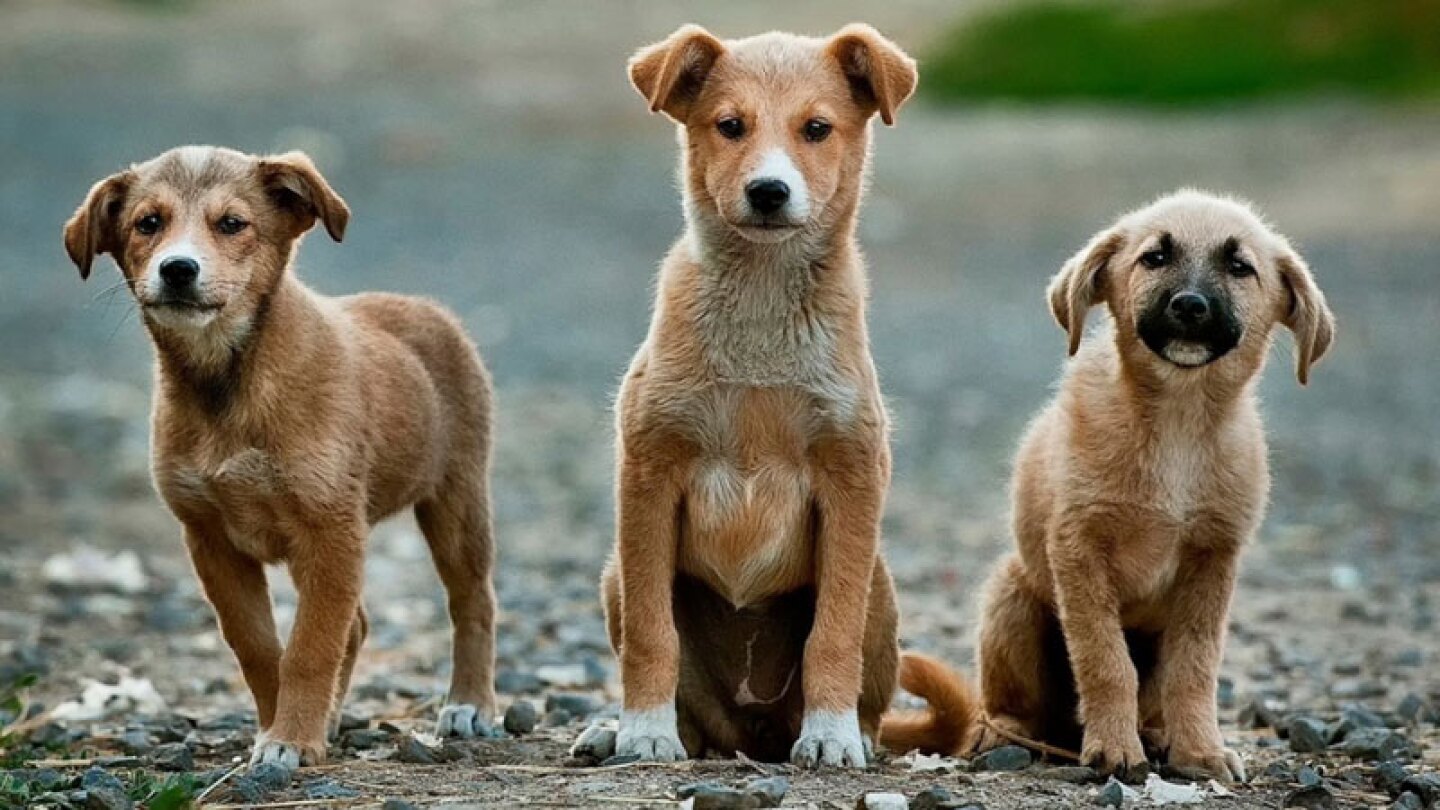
x=1240, y=268
x=1155, y=259
x=731, y=128
x=817, y=130
x=230, y=226
x=149, y=224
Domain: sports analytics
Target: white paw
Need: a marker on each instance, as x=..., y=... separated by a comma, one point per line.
x=829, y=739
x=650, y=734
x=463, y=720
x=285, y=755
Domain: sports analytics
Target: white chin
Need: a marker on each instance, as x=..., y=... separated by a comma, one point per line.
x=1188, y=354
x=182, y=319
x=766, y=236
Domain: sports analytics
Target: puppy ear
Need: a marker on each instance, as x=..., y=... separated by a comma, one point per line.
x=670, y=73
x=297, y=188
x=881, y=75
x=1081, y=283
x=94, y=227
x=1309, y=317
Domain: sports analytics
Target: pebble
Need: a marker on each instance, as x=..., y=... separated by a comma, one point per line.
x=1408, y=801
x=1308, y=735
x=577, y=705
x=174, y=757
x=1073, y=774
x=414, y=752
x=882, y=801
x=1414, y=709
x=515, y=682
x=767, y=791
x=1424, y=785
x=1258, y=714
x=1004, y=758
x=136, y=742
x=1357, y=689
x=1112, y=795
x=1314, y=797
x=556, y=718
x=325, y=788
x=1388, y=777
x=1376, y=743
x=521, y=717
x=595, y=744
x=103, y=791
x=938, y=798
x=713, y=796
x=270, y=775
x=1308, y=776
x=397, y=804
x=364, y=739
x=352, y=722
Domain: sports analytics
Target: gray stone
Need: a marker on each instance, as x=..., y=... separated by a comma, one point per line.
x=1376, y=743
x=556, y=718
x=103, y=792
x=767, y=791
x=1424, y=785
x=136, y=742
x=1112, y=795
x=1315, y=797
x=1408, y=801
x=1004, y=758
x=1308, y=735
x=514, y=682
x=397, y=804
x=1308, y=776
x=521, y=717
x=270, y=775
x=1414, y=709
x=938, y=798
x=173, y=757
x=411, y=750
x=713, y=796
x=577, y=705
x=1073, y=774
x=364, y=739
x=325, y=788
x=1388, y=777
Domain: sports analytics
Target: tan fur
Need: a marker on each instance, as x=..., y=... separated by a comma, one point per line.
x=752, y=452
x=286, y=424
x=1134, y=492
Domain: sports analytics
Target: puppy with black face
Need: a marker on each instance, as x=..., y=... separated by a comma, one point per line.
x=287, y=423
x=1136, y=489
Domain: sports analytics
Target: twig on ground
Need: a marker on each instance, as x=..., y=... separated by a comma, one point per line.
x=218, y=782
x=683, y=765
x=1034, y=745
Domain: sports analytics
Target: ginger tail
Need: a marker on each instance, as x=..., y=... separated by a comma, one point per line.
x=949, y=726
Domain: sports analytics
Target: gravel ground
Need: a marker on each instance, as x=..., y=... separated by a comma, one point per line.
x=496, y=160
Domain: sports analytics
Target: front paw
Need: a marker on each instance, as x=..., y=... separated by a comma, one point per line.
x=1116, y=750
x=464, y=720
x=1221, y=763
x=288, y=755
x=830, y=739
x=650, y=734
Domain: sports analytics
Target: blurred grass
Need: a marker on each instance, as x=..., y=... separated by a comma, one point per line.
x=1191, y=52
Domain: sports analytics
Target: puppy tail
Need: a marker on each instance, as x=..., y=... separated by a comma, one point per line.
x=951, y=723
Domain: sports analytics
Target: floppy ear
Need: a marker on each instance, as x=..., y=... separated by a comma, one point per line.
x=1081, y=283
x=297, y=188
x=670, y=73
x=1309, y=317
x=881, y=75
x=93, y=229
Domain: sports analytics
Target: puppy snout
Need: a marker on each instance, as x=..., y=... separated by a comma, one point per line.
x=767, y=195
x=1189, y=308
x=179, y=272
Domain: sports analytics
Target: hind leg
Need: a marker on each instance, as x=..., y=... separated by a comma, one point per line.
x=1012, y=656
x=882, y=655
x=359, y=630
x=457, y=526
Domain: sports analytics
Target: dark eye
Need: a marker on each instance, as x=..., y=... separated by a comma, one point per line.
x=817, y=130
x=230, y=226
x=149, y=224
x=1155, y=259
x=1240, y=268
x=732, y=128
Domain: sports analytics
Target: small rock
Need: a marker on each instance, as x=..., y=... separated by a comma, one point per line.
x=1308, y=735
x=1388, y=777
x=1258, y=714
x=713, y=796
x=521, y=717
x=1112, y=795
x=1004, y=758
x=556, y=718
x=136, y=742
x=325, y=788
x=1376, y=743
x=1424, y=785
x=364, y=739
x=514, y=682
x=882, y=801
x=1073, y=774
x=413, y=751
x=397, y=804
x=768, y=791
x=1357, y=689
x=173, y=757
x=936, y=798
x=352, y=722
x=1315, y=797
x=103, y=791
x=270, y=775
x=1408, y=801
x=1414, y=709
x=1225, y=693
x=1308, y=776
x=576, y=704
x=244, y=790
x=127, y=761
x=595, y=744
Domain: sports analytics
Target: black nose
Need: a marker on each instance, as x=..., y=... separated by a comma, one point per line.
x=179, y=271
x=1189, y=308
x=767, y=196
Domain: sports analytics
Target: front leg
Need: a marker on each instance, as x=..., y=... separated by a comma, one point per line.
x=850, y=479
x=236, y=587
x=327, y=566
x=649, y=644
x=1105, y=676
x=1190, y=650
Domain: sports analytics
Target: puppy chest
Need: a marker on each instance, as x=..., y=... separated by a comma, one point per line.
x=248, y=496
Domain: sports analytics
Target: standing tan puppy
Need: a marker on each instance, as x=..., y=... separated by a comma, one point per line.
x=286, y=424
x=747, y=600
x=1137, y=487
